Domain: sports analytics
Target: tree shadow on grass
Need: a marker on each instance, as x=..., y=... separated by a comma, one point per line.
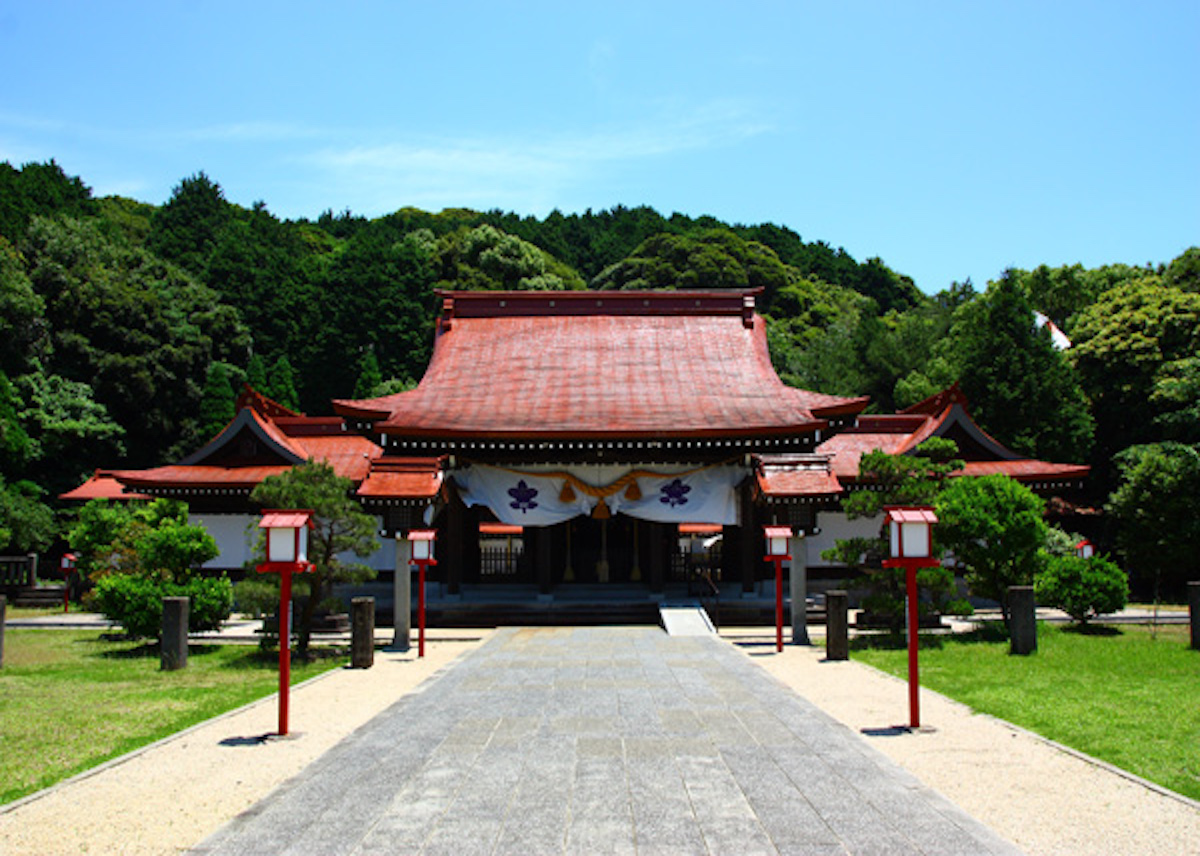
x=259, y=658
x=146, y=649
x=1093, y=630
x=988, y=632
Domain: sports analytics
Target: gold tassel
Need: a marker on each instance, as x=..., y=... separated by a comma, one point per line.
x=601, y=511
x=633, y=493
x=567, y=494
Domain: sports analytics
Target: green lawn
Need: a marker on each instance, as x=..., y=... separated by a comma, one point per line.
x=70, y=700
x=1118, y=694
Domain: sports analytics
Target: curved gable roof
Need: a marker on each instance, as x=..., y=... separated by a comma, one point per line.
x=261, y=428
x=600, y=364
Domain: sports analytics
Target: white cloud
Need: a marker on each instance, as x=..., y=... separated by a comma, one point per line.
x=527, y=174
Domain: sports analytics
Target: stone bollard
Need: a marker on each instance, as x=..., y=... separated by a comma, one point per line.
x=1022, y=620
x=174, y=633
x=402, y=595
x=837, y=625
x=3, y=617
x=362, y=632
x=1193, y=589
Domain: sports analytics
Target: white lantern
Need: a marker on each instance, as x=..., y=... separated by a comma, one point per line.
x=777, y=539
x=911, y=532
x=422, y=544
x=1084, y=549
x=287, y=535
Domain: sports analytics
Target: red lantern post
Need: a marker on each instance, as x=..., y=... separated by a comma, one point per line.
x=911, y=534
x=422, y=556
x=67, y=566
x=777, y=552
x=287, y=553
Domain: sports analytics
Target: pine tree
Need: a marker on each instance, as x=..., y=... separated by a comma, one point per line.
x=369, y=376
x=282, y=384
x=256, y=374
x=216, y=401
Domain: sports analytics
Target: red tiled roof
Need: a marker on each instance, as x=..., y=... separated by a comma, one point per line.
x=251, y=397
x=101, y=485
x=403, y=478
x=796, y=475
x=350, y=456
x=198, y=475
x=1027, y=469
x=846, y=449
x=901, y=433
x=600, y=364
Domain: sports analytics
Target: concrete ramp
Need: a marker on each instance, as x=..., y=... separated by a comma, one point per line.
x=687, y=618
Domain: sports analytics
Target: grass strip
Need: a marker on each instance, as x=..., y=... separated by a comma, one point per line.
x=1121, y=694
x=70, y=699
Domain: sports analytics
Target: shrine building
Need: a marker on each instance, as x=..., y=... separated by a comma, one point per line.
x=565, y=441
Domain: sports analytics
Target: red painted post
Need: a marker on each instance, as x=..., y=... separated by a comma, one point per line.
x=778, y=603
x=914, y=625
x=285, y=647
x=421, y=566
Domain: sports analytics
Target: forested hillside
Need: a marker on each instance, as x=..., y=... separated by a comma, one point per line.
x=127, y=327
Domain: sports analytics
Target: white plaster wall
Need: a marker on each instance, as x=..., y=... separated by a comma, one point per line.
x=236, y=534
x=834, y=525
x=383, y=559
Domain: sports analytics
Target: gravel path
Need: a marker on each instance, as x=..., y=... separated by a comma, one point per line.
x=1047, y=799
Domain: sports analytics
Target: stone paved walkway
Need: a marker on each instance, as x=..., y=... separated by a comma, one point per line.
x=604, y=740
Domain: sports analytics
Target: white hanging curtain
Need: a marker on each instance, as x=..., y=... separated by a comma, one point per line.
x=545, y=496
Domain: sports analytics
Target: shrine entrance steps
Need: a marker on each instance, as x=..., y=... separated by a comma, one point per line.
x=685, y=618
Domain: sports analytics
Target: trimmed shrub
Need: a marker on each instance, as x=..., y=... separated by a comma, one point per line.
x=1082, y=588
x=135, y=602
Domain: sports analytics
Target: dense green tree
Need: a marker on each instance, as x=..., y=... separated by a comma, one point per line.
x=369, y=376
x=186, y=229
x=1061, y=293
x=340, y=528
x=1133, y=338
x=39, y=189
x=1184, y=271
x=377, y=294
x=993, y=525
x=256, y=373
x=140, y=332
x=216, y=401
x=266, y=269
x=281, y=384
x=140, y=552
x=1082, y=588
x=1176, y=400
x=715, y=258
x=22, y=313
x=1022, y=390
x=69, y=431
x=485, y=258
x=16, y=448
x=1156, y=505
x=27, y=524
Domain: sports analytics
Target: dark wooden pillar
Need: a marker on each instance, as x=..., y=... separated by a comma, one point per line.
x=750, y=545
x=543, y=559
x=659, y=555
x=456, y=538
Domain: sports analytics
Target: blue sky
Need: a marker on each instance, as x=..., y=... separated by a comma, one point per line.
x=950, y=139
